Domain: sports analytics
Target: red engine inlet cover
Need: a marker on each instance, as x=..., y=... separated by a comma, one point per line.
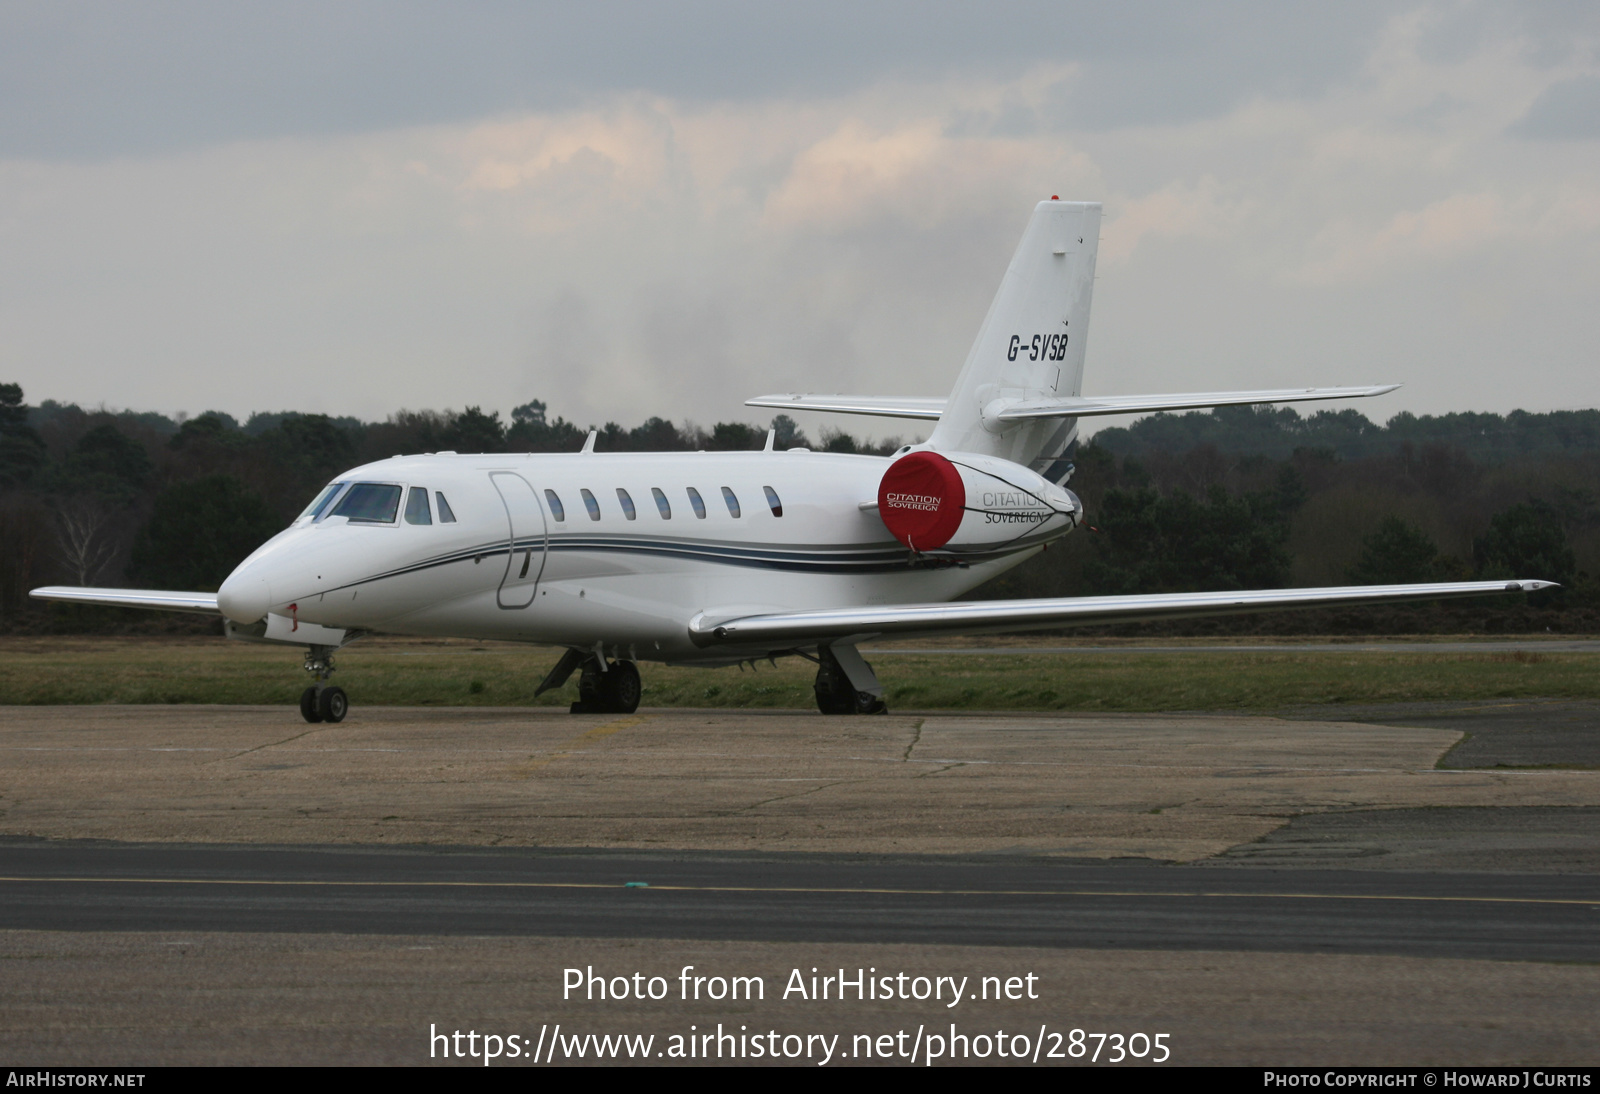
x=922, y=500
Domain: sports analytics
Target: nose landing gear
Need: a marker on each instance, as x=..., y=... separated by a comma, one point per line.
x=320, y=702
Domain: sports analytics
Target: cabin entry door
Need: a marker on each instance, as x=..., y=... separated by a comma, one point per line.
x=528, y=537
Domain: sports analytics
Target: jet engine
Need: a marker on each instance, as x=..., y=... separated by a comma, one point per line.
x=966, y=503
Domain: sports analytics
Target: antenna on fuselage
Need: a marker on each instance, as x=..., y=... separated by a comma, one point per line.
x=772, y=441
x=588, y=442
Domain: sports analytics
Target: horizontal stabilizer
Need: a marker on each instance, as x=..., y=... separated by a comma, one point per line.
x=883, y=406
x=790, y=629
x=203, y=603
x=1090, y=406
x=1086, y=406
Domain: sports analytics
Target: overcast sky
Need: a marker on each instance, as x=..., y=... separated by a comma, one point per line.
x=633, y=209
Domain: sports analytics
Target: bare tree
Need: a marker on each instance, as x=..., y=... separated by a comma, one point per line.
x=86, y=536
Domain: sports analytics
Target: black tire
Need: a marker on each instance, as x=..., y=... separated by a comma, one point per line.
x=308, y=705
x=833, y=699
x=868, y=703
x=832, y=687
x=333, y=705
x=620, y=688
x=591, y=684
x=836, y=696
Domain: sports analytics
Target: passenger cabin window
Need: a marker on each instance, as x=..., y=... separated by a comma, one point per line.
x=369, y=503
x=417, y=506
x=314, y=510
x=556, y=508
x=772, y=501
x=590, y=504
x=445, y=515
x=627, y=504
x=733, y=502
x=697, y=503
x=661, y=503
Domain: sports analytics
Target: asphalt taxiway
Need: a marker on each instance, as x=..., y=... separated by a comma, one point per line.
x=929, y=900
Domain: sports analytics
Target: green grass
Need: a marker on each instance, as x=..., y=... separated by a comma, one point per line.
x=395, y=672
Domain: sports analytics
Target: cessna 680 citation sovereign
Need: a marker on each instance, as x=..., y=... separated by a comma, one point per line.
x=713, y=558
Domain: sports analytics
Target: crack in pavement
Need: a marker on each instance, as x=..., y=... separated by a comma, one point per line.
x=270, y=744
x=784, y=797
x=916, y=737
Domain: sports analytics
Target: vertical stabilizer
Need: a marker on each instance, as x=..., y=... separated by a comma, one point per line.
x=1031, y=344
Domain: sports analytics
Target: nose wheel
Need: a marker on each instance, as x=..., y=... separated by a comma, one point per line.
x=328, y=705
x=322, y=702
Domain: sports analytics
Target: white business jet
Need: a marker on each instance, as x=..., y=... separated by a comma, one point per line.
x=715, y=558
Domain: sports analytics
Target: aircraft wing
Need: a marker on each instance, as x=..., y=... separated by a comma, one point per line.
x=892, y=406
x=788, y=629
x=203, y=603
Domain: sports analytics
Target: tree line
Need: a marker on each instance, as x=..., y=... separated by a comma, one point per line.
x=1277, y=431
x=1238, y=498
x=96, y=497
x=1207, y=518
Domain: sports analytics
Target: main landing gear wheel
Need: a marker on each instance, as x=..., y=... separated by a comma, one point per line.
x=837, y=699
x=613, y=690
x=835, y=693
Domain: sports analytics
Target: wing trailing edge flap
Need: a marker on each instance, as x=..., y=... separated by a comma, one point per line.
x=998, y=616
x=157, y=599
x=1020, y=410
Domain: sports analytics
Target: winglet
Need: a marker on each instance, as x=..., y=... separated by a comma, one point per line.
x=588, y=442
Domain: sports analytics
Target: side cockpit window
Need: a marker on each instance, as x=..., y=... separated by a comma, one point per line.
x=445, y=515
x=369, y=503
x=314, y=510
x=417, y=506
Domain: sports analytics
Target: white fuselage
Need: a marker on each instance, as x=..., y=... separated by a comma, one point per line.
x=525, y=559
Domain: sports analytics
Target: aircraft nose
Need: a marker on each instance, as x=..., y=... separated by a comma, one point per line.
x=244, y=597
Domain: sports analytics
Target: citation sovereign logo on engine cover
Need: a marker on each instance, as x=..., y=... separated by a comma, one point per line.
x=925, y=502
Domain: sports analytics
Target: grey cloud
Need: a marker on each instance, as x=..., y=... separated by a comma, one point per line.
x=1569, y=110
x=101, y=79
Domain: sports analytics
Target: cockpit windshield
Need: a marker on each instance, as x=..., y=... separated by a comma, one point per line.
x=371, y=502
x=314, y=510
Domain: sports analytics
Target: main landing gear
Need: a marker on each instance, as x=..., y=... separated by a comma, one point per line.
x=321, y=702
x=604, y=686
x=845, y=682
